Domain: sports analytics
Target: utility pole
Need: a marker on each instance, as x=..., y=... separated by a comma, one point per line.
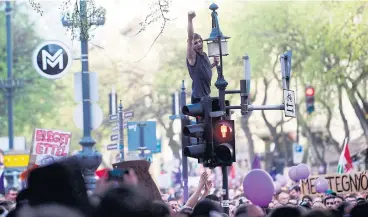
x=121, y=131
x=90, y=158
x=184, y=142
x=9, y=85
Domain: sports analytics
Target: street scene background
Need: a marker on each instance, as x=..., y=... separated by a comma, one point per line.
x=327, y=40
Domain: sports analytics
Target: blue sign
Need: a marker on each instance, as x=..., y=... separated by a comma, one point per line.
x=158, y=147
x=149, y=135
x=298, y=148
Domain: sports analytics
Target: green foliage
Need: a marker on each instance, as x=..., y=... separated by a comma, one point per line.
x=38, y=102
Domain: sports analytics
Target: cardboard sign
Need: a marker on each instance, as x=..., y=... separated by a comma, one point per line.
x=339, y=183
x=49, y=146
x=141, y=168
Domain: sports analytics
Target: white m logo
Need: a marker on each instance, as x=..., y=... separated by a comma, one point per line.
x=52, y=60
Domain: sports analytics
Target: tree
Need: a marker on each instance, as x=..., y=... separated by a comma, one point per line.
x=269, y=30
x=36, y=103
x=159, y=13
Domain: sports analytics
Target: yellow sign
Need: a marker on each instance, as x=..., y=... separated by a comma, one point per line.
x=19, y=160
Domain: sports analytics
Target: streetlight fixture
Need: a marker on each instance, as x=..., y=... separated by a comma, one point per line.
x=217, y=42
x=218, y=47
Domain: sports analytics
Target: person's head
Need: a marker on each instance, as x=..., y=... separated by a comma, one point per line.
x=295, y=192
x=329, y=202
x=308, y=200
x=249, y=211
x=338, y=200
x=123, y=201
x=197, y=43
x=317, y=199
x=283, y=197
x=286, y=211
x=359, y=210
x=212, y=197
x=319, y=213
x=205, y=207
x=351, y=199
x=159, y=209
x=344, y=208
x=173, y=203
x=11, y=194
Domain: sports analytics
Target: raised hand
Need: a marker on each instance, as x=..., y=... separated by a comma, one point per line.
x=191, y=15
x=203, y=180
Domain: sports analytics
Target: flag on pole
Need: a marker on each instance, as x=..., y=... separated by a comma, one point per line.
x=345, y=162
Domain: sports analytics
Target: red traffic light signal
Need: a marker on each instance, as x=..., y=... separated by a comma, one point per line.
x=223, y=131
x=309, y=91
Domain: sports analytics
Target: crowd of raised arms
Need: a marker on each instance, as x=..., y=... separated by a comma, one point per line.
x=63, y=193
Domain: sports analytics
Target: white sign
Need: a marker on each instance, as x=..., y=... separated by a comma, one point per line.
x=112, y=147
x=128, y=114
x=52, y=59
x=96, y=116
x=289, y=101
x=298, y=152
x=50, y=145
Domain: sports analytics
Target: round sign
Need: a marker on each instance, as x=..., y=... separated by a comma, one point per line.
x=52, y=59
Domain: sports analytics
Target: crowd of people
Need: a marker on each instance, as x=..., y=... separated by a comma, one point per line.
x=58, y=190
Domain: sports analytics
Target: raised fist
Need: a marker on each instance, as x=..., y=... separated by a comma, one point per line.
x=191, y=15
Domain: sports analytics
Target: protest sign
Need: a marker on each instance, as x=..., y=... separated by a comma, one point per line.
x=339, y=183
x=49, y=146
x=141, y=168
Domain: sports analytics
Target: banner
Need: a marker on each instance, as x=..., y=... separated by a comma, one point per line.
x=339, y=183
x=49, y=146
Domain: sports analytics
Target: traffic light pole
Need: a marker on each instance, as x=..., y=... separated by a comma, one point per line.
x=121, y=131
x=184, y=143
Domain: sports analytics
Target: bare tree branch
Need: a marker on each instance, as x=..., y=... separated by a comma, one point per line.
x=328, y=126
x=160, y=13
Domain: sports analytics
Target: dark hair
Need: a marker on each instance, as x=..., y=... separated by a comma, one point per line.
x=359, y=210
x=212, y=197
x=204, y=207
x=196, y=36
x=338, y=196
x=328, y=198
x=159, y=209
x=11, y=189
x=308, y=197
x=341, y=208
x=319, y=213
x=286, y=211
x=296, y=188
x=123, y=201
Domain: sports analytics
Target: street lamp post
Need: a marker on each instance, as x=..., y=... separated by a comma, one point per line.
x=217, y=47
x=9, y=84
x=90, y=158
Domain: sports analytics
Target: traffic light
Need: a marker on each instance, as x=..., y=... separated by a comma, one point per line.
x=196, y=148
x=309, y=97
x=224, y=142
x=223, y=136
